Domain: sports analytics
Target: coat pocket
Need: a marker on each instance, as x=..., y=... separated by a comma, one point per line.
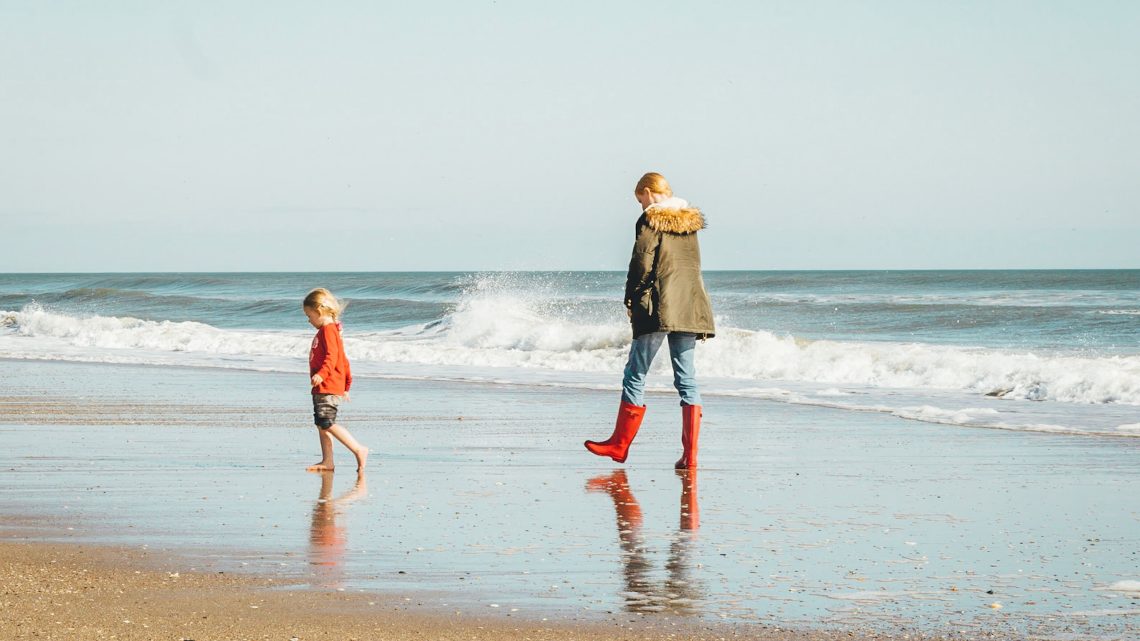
x=647, y=302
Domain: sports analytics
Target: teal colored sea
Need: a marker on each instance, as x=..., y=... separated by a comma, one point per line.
x=1055, y=351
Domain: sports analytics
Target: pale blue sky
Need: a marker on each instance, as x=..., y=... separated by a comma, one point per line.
x=508, y=135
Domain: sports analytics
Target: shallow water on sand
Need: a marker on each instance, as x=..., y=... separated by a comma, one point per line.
x=481, y=497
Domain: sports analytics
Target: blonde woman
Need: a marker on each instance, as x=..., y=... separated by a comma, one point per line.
x=666, y=300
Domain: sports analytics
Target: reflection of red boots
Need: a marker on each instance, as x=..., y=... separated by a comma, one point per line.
x=617, y=446
x=690, y=510
x=628, y=509
x=690, y=433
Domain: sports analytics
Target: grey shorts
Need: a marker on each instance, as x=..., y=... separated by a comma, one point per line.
x=324, y=410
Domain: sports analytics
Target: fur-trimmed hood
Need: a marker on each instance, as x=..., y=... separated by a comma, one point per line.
x=675, y=216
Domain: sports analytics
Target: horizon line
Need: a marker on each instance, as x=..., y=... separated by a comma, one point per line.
x=614, y=271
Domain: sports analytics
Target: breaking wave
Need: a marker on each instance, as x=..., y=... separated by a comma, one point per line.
x=499, y=329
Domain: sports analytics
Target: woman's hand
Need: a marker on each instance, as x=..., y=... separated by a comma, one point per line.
x=317, y=380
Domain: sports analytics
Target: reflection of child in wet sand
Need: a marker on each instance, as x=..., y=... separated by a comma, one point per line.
x=642, y=594
x=326, y=538
x=331, y=377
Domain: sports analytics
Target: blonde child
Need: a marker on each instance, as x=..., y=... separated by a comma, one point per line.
x=331, y=378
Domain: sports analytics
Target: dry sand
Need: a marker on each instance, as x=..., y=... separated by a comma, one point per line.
x=54, y=591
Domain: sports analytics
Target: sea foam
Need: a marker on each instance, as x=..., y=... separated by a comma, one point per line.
x=497, y=329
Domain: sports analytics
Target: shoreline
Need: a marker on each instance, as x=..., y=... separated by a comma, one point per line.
x=974, y=412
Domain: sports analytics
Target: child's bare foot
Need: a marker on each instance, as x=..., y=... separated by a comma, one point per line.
x=320, y=467
x=361, y=458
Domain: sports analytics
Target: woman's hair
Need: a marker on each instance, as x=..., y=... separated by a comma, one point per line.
x=655, y=183
x=324, y=303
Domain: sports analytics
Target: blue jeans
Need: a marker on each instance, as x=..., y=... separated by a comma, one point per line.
x=682, y=348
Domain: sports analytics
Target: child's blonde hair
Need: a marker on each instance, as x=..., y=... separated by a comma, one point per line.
x=655, y=183
x=324, y=303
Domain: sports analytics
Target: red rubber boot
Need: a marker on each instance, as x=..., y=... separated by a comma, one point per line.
x=690, y=433
x=617, y=445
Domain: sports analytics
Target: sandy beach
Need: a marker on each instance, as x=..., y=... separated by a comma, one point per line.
x=481, y=517
x=86, y=592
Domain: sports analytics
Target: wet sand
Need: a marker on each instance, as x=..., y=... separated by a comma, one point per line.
x=86, y=592
x=481, y=509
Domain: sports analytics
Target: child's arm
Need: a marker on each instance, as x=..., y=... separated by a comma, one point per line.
x=347, y=376
x=347, y=368
x=318, y=355
x=329, y=351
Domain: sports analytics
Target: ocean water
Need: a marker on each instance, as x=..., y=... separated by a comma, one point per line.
x=1055, y=351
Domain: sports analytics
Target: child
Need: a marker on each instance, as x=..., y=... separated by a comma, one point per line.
x=331, y=378
x=666, y=300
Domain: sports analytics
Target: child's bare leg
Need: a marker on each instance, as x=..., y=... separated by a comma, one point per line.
x=326, y=464
x=358, y=450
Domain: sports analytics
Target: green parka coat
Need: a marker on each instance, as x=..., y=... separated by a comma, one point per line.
x=664, y=290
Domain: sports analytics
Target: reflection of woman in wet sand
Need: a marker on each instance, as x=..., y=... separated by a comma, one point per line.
x=642, y=594
x=326, y=538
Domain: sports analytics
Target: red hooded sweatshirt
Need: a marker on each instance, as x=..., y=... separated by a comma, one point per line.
x=327, y=358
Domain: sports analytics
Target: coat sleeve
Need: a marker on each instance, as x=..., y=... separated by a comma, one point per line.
x=333, y=349
x=640, y=276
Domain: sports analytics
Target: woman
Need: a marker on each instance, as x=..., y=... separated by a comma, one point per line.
x=665, y=298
